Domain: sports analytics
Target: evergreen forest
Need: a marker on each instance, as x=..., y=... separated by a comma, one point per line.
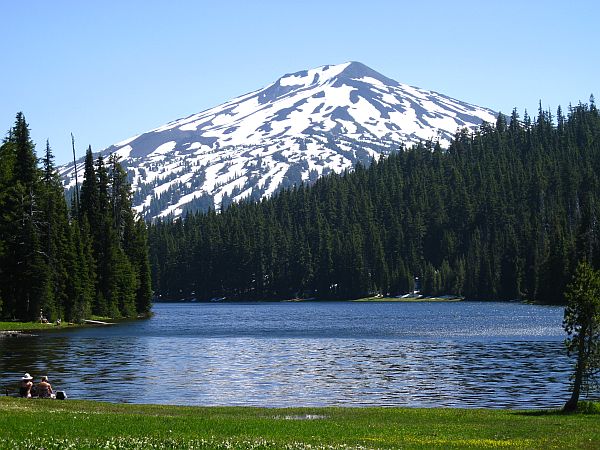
x=502, y=213
x=67, y=261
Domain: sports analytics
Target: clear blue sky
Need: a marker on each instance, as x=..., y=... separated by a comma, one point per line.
x=109, y=70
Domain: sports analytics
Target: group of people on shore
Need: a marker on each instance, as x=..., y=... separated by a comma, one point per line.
x=28, y=389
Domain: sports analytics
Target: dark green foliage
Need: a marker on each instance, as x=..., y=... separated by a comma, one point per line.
x=58, y=266
x=118, y=243
x=503, y=213
x=582, y=324
x=138, y=254
x=24, y=277
x=25, y=162
x=89, y=201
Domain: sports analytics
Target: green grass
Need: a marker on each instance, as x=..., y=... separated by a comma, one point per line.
x=37, y=326
x=53, y=424
x=102, y=318
x=33, y=326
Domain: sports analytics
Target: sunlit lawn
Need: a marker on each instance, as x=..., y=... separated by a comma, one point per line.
x=33, y=326
x=38, y=326
x=34, y=424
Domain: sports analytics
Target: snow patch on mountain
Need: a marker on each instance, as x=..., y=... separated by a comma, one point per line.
x=300, y=127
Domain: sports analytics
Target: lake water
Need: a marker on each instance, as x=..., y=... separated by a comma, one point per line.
x=464, y=354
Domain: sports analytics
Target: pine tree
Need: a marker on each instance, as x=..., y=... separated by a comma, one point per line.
x=25, y=165
x=89, y=197
x=58, y=266
x=24, y=276
x=582, y=324
x=143, y=295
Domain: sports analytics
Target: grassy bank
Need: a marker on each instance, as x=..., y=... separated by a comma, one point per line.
x=81, y=424
x=37, y=326
x=34, y=326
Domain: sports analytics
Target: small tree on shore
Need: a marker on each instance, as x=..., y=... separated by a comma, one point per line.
x=582, y=324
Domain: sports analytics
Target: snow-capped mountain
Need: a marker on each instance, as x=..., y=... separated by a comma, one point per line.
x=296, y=129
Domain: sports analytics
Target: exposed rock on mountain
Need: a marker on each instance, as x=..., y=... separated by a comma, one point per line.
x=296, y=129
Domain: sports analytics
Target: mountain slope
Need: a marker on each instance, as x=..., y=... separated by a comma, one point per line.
x=302, y=126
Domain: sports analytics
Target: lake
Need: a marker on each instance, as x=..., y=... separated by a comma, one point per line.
x=462, y=354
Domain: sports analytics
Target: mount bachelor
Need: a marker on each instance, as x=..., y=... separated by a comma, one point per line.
x=300, y=127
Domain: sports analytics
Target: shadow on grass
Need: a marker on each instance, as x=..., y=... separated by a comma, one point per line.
x=582, y=408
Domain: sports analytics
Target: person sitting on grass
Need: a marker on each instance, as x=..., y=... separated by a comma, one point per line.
x=26, y=385
x=44, y=389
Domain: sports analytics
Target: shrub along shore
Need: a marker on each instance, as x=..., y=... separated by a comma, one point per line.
x=52, y=424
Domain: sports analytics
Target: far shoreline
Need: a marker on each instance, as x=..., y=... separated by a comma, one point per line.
x=432, y=299
x=373, y=299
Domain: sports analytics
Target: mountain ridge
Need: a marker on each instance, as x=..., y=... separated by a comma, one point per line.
x=302, y=126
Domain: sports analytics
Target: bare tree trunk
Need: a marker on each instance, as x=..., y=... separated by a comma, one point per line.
x=571, y=405
x=76, y=181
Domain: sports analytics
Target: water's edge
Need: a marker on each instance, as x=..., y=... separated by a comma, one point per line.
x=461, y=354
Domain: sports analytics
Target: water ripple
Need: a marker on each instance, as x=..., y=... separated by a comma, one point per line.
x=342, y=354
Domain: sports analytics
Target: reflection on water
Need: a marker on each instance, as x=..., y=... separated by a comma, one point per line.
x=310, y=354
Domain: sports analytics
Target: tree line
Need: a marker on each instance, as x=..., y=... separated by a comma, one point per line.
x=503, y=213
x=61, y=261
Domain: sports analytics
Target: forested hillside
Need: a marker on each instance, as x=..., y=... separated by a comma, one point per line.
x=504, y=213
x=61, y=262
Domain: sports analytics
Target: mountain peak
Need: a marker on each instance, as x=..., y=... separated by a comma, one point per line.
x=356, y=70
x=303, y=125
x=352, y=70
x=348, y=73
